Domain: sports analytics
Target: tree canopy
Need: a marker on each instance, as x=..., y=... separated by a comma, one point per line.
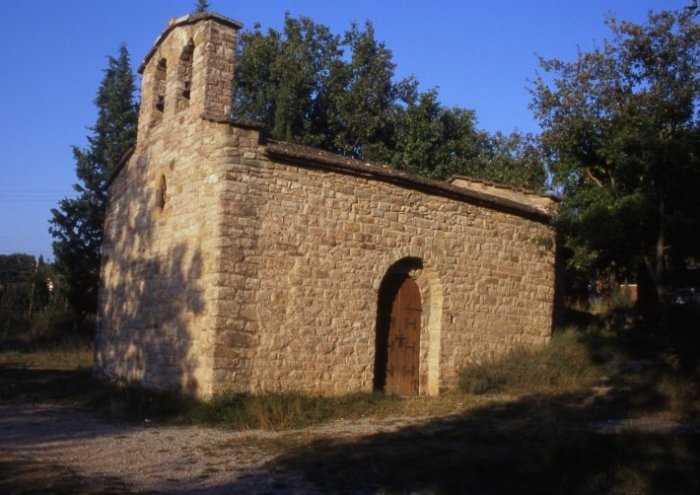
x=76, y=223
x=26, y=287
x=620, y=130
x=308, y=85
x=201, y=7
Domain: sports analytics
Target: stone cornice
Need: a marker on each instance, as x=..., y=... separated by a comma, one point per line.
x=530, y=192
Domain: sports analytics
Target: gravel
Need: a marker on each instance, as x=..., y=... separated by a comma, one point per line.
x=165, y=459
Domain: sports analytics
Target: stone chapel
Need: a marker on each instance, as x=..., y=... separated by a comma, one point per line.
x=236, y=262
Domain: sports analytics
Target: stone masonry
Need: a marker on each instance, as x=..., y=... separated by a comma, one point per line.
x=235, y=262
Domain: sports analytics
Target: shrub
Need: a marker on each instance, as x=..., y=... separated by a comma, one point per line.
x=564, y=363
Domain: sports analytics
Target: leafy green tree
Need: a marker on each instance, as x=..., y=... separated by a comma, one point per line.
x=434, y=141
x=201, y=6
x=440, y=142
x=26, y=286
x=282, y=79
x=514, y=159
x=419, y=135
x=299, y=86
x=306, y=85
x=76, y=224
x=365, y=106
x=16, y=276
x=620, y=130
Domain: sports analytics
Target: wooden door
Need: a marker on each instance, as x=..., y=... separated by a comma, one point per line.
x=403, y=343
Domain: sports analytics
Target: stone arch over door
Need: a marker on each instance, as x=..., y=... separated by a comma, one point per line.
x=407, y=332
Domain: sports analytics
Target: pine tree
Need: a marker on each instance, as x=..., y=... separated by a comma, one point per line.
x=202, y=6
x=77, y=222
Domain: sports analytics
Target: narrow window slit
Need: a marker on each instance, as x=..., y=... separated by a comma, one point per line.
x=161, y=193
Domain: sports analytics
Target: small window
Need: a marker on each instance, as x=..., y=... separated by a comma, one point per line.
x=161, y=193
x=159, y=86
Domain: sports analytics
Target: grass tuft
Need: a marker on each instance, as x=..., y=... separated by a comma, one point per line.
x=285, y=410
x=562, y=365
x=68, y=354
x=542, y=430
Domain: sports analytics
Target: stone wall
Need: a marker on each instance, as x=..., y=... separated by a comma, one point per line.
x=162, y=253
x=307, y=276
x=235, y=263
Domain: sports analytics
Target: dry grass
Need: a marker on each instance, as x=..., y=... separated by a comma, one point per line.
x=290, y=410
x=62, y=373
x=528, y=415
x=564, y=364
x=575, y=361
x=63, y=356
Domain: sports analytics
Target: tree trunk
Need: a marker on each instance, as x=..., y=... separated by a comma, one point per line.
x=660, y=255
x=652, y=290
x=647, y=295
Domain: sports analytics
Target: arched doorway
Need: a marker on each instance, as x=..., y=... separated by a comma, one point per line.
x=397, y=357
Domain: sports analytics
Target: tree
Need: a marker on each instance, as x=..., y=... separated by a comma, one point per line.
x=513, y=159
x=435, y=141
x=419, y=135
x=298, y=84
x=201, y=6
x=16, y=277
x=440, y=142
x=76, y=224
x=282, y=79
x=26, y=286
x=621, y=134
x=307, y=85
x=365, y=105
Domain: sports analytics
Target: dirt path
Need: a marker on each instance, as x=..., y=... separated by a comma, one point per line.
x=162, y=459
x=57, y=449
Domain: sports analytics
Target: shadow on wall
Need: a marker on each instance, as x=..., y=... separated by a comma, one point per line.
x=146, y=337
x=151, y=297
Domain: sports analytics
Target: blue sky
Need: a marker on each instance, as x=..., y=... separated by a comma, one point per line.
x=479, y=54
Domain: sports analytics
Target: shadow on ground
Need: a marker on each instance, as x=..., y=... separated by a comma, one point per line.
x=534, y=445
x=24, y=476
x=569, y=443
x=20, y=383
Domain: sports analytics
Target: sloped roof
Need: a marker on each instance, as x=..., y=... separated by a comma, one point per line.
x=313, y=157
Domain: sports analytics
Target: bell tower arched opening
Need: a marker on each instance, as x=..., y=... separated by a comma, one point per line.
x=185, y=76
x=159, y=86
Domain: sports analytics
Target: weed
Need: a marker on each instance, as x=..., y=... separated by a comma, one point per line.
x=654, y=371
x=67, y=354
x=285, y=410
x=539, y=434
x=563, y=364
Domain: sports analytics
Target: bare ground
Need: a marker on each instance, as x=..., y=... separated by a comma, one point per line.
x=107, y=457
x=48, y=448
